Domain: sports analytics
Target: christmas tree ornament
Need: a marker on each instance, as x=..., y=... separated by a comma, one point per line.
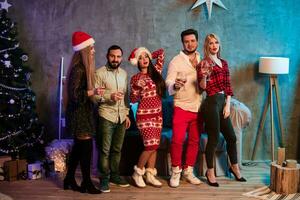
x=11, y=101
x=7, y=63
x=24, y=57
x=6, y=55
x=28, y=76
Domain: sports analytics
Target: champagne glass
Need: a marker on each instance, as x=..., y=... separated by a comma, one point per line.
x=121, y=94
x=181, y=76
x=207, y=69
x=141, y=83
x=100, y=89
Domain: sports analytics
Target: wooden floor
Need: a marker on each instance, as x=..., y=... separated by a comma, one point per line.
x=257, y=175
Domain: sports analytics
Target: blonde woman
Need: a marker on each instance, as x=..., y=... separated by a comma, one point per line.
x=213, y=77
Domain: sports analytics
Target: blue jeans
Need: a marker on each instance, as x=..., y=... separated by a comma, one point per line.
x=110, y=137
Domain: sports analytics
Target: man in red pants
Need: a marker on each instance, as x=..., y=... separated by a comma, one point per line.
x=181, y=82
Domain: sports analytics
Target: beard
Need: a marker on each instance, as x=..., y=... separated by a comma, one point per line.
x=190, y=52
x=114, y=65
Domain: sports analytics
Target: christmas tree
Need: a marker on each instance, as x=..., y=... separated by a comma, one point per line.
x=20, y=129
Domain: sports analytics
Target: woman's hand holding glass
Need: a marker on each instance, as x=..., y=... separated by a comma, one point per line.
x=141, y=83
x=96, y=91
x=206, y=69
x=99, y=91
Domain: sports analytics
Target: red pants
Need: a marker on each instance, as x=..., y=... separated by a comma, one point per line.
x=190, y=122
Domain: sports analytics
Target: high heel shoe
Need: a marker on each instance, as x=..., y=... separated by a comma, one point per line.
x=215, y=184
x=71, y=184
x=89, y=188
x=242, y=179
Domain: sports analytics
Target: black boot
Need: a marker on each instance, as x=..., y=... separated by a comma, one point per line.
x=89, y=188
x=85, y=164
x=69, y=181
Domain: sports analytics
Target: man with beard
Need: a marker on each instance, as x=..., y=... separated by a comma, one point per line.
x=182, y=84
x=113, y=118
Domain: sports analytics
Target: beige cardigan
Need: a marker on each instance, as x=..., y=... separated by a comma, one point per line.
x=113, y=81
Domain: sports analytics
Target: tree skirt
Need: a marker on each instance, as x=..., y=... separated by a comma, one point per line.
x=266, y=193
x=5, y=197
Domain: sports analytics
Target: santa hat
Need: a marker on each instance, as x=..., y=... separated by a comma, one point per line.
x=135, y=54
x=81, y=40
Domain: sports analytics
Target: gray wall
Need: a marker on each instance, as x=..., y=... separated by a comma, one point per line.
x=248, y=30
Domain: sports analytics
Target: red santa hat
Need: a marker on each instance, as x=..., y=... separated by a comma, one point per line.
x=135, y=54
x=81, y=40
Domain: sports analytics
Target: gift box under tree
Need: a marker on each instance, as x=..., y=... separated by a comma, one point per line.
x=35, y=170
x=3, y=159
x=15, y=170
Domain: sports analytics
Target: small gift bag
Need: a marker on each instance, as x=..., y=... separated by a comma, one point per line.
x=48, y=168
x=35, y=170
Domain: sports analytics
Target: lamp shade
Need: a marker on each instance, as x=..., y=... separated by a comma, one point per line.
x=273, y=65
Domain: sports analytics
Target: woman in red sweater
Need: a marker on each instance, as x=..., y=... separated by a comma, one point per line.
x=148, y=88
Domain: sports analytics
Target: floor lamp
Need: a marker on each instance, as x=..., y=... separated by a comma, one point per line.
x=272, y=66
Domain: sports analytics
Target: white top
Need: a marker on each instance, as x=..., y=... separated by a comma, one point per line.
x=216, y=60
x=188, y=97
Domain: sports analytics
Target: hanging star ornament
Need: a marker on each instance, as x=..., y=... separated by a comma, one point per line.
x=209, y=4
x=5, y=5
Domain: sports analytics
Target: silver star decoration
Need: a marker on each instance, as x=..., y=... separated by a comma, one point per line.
x=209, y=4
x=5, y=5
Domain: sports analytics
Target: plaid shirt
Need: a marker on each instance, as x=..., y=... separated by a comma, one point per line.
x=219, y=79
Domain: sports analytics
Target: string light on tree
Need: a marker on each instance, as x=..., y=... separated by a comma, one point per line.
x=11, y=101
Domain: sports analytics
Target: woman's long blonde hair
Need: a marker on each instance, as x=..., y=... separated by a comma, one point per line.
x=206, y=45
x=88, y=61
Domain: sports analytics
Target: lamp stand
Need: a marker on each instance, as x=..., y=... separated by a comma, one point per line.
x=273, y=84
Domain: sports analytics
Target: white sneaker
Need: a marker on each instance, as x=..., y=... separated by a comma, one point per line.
x=188, y=174
x=151, y=179
x=138, y=177
x=175, y=176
